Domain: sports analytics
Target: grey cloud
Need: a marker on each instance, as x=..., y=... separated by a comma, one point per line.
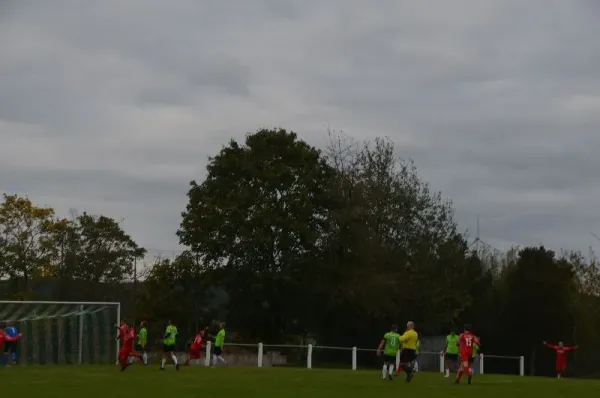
x=113, y=107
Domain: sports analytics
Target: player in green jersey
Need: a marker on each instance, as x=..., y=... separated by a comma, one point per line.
x=219, y=344
x=169, y=343
x=450, y=353
x=390, y=344
x=142, y=342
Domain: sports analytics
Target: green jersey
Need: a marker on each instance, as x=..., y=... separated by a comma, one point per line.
x=170, y=335
x=392, y=344
x=220, y=339
x=142, y=337
x=452, y=344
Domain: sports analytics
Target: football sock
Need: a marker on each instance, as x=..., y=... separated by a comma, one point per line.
x=145, y=358
x=384, y=371
x=174, y=358
x=220, y=358
x=391, y=370
x=163, y=362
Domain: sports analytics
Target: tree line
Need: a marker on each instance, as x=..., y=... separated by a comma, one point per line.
x=286, y=241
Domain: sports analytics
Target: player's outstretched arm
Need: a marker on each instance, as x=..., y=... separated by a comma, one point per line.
x=381, y=344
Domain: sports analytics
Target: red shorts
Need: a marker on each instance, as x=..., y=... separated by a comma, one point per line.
x=195, y=353
x=124, y=353
x=466, y=356
x=561, y=365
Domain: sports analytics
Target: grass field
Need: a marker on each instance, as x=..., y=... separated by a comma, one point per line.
x=107, y=381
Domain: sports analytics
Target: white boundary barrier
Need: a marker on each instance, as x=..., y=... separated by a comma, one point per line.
x=260, y=353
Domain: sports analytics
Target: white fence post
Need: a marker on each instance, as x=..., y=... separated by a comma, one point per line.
x=354, y=352
x=522, y=366
x=442, y=362
x=309, y=357
x=260, y=355
x=81, y=334
x=480, y=364
x=208, y=352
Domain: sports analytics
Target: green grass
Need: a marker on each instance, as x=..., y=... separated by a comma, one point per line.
x=107, y=381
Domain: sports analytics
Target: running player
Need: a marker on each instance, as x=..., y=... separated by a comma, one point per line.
x=408, y=355
x=219, y=344
x=196, y=347
x=466, y=341
x=390, y=345
x=142, y=342
x=450, y=353
x=561, y=357
x=169, y=343
x=126, y=348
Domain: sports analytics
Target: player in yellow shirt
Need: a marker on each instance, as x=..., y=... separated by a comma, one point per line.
x=410, y=341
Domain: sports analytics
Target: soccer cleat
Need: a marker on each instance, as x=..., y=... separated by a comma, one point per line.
x=409, y=377
x=469, y=380
x=161, y=368
x=390, y=377
x=177, y=366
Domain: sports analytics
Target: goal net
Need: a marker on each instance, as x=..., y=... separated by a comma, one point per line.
x=63, y=332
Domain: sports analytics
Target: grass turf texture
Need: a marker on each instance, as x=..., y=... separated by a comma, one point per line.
x=107, y=381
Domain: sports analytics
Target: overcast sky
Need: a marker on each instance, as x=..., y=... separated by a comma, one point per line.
x=113, y=106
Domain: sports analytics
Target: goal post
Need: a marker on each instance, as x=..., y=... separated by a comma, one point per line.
x=63, y=332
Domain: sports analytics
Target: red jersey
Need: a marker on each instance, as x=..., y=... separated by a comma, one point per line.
x=197, y=343
x=129, y=339
x=561, y=352
x=466, y=341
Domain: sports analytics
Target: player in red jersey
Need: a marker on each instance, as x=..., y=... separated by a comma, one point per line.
x=561, y=356
x=466, y=342
x=196, y=347
x=127, y=348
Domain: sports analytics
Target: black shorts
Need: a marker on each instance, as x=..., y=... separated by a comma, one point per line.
x=451, y=357
x=139, y=348
x=407, y=356
x=389, y=359
x=168, y=347
x=471, y=360
x=218, y=351
x=10, y=347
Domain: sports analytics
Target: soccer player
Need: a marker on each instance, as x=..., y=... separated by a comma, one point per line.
x=390, y=345
x=126, y=348
x=408, y=355
x=219, y=344
x=10, y=347
x=450, y=353
x=195, y=347
x=561, y=357
x=169, y=343
x=6, y=340
x=142, y=342
x=466, y=341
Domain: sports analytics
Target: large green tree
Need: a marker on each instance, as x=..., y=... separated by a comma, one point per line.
x=26, y=247
x=261, y=214
x=393, y=247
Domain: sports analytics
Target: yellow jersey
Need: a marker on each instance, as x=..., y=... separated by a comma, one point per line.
x=409, y=340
